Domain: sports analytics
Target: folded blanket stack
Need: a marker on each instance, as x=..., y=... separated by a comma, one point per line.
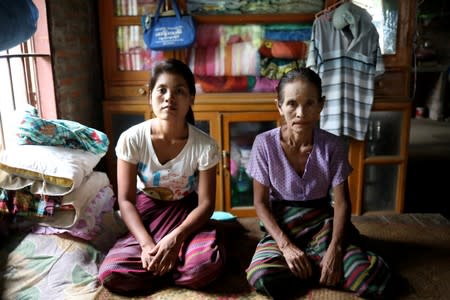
x=225, y=58
x=48, y=180
x=285, y=47
x=228, y=7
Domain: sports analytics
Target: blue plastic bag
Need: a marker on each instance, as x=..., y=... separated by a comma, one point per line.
x=18, y=22
x=168, y=32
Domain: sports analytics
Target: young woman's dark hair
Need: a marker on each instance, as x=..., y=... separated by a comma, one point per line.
x=175, y=66
x=296, y=74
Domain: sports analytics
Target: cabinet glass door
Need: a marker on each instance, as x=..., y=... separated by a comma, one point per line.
x=134, y=7
x=125, y=56
x=384, y=133
x=384, y=163
x=209, y=123
x=380, y=187
x=131, y=52
x=240, y=130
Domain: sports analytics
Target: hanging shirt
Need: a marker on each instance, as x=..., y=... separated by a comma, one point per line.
x=347, y=60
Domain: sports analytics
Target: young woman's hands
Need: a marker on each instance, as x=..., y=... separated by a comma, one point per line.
x=162, y=258
x=146, y=257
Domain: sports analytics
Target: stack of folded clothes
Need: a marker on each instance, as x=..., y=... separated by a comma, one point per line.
x=246, y=58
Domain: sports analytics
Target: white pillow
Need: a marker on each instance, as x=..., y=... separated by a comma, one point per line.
x=49, y=170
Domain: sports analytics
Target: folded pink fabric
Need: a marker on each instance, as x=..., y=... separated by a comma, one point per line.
x=265, y=85
x=239, y=59
x=208, y=35
x=222, y=84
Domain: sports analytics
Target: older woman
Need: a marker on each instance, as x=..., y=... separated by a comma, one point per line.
x=309, y=237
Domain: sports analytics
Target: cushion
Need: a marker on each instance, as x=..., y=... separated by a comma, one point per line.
x=33, y=130
x=49, y=170
x=223, y=216
x=48, y=267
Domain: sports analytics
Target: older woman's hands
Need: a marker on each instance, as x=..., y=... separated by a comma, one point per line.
x=297, y=261
x=331, y=266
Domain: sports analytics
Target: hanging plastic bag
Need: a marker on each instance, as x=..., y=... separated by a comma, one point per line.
x=168, y=32
x=18, y=22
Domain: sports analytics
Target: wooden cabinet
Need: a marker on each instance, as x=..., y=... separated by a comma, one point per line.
x=233, y=119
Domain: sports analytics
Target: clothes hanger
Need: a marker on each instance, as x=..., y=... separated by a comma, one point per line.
x=330, y=8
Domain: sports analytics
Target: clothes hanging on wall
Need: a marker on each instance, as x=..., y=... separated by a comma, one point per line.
x=345, y=52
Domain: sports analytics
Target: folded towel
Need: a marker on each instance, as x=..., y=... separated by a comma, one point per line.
x=284, y=49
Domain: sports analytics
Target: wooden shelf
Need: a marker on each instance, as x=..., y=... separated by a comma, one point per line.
x=256, y=18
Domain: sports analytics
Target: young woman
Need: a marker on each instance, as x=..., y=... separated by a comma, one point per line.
x=308, y=238
x=166, y=170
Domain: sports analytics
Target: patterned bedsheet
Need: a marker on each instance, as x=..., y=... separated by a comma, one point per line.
x=35, y=266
